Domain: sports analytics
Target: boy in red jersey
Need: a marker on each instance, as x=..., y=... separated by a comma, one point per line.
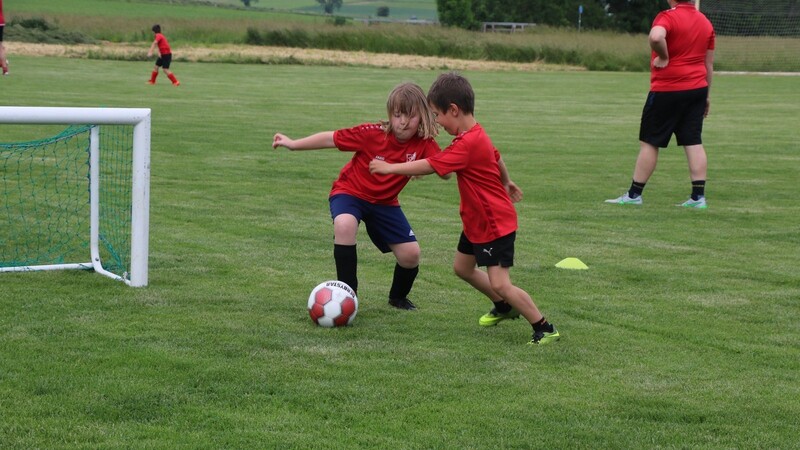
x=3, y=61
x=357, y=195
x=164, y=59
x=487, y=212
x=681, y=67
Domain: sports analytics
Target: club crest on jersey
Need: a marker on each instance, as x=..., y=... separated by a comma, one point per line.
x=411, y=157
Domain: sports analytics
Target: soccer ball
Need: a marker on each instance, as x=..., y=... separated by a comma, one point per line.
x=332, y=304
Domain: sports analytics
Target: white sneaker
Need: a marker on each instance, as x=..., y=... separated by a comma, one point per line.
x=700, y=203
x=625, y=200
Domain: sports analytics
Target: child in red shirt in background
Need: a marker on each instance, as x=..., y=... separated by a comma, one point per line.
x=487, y=213
x=358, y=195
x=164, y=59
x=3, y=61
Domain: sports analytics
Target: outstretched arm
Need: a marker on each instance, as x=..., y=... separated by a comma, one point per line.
x=513, y=190
x=419, y=167
x=316, y=141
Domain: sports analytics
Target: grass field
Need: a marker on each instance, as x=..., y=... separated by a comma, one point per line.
x=682, y=334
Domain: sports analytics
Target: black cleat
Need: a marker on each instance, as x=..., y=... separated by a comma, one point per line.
x=402, y=303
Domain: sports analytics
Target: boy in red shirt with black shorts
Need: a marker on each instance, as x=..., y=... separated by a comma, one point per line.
x=164, y=59
x=487, y=212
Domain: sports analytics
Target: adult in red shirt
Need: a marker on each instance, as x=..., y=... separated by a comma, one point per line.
x=682, y=64
x=164, y=57
x=3, y=61
x=358, y=195
x=487, y=213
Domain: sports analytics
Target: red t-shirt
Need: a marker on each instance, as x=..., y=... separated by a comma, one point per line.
x=369, y=141
x=163, y=45
x=486, y=209
x=689, y=36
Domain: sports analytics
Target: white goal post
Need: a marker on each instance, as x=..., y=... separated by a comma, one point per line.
x=137, y=207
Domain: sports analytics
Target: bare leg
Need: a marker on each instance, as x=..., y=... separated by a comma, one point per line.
x=518, y=299
x=3, y=61
x=698, y=162
x=645, y=162
x=345, y=227
x=466, y=269
x=407, y=254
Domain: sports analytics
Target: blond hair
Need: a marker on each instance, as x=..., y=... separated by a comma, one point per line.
x=408, y=98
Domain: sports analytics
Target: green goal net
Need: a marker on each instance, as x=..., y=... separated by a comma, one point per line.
x=67, y=201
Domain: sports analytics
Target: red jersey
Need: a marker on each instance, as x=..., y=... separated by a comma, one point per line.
x=369, y=142
x=163, y=45
x=689, y=36
x=486, y=209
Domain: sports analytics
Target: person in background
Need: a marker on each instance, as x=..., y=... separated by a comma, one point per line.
x=164, y=59
x=3, y=60
x=681, y=67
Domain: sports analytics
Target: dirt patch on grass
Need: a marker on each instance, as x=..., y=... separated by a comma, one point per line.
x=275, y=55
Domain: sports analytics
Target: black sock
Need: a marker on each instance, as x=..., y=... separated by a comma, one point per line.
x=542, y=325
x=403, y=281
x=698, y=189
x=501, y=306
x=346, y=259
x=636, y=189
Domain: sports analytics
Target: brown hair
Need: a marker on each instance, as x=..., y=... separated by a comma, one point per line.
x=451, y=88
x=408, y=98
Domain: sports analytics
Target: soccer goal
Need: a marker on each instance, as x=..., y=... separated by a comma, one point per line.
x=78, y=198
x=755, y=35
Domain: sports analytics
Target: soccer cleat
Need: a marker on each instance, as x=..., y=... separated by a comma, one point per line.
x=493, y=317
x=625, y=200
x=151, y=82
x=176, y=84
x=700, y=203
x=402, y=303
x=543, y=337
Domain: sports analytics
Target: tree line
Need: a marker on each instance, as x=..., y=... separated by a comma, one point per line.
x=631, y=16
x=628, y=16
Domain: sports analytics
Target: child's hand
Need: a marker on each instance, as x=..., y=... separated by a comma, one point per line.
x=149, y=54
x=378, y=166
x=281, y=140
x=514, y=191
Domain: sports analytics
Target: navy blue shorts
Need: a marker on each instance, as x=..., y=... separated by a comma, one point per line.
x=385, y=224
x=164, y=61
x=679, y=113
x=499, y=252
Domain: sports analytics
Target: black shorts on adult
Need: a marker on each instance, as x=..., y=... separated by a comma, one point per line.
x=164, y=61
x=499, y=252
x=678, y=112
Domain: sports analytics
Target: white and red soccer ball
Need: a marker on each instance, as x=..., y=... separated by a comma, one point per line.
x=332, y=304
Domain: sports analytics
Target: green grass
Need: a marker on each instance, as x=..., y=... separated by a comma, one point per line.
x=682, y=334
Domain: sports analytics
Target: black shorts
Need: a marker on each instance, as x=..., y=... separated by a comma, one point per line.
x=1, y=33
x=499, y=252
x=164, y=61
x=668, y=113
